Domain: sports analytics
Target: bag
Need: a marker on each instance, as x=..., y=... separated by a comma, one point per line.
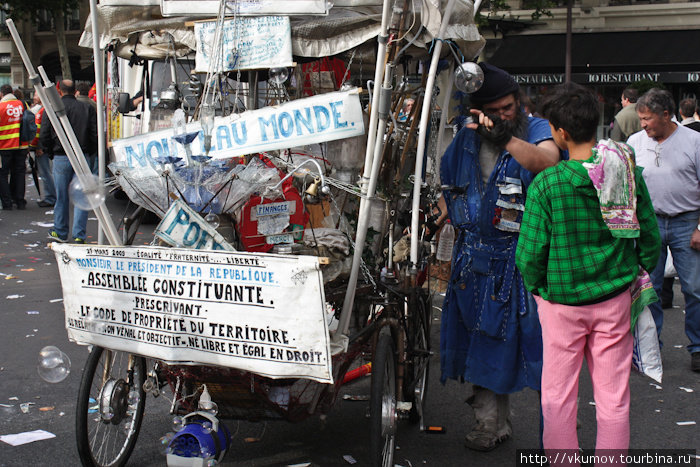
x=27, y=128
x=670, y=269
x=646, y=353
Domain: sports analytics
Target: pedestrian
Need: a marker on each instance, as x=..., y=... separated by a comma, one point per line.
x=490, y=335
x=670, y=155
x=12, y=154
x=588, y=227
x=626, y=121
x=686, y=109
x=82, y=91
x=83, y=119
x=43, y=162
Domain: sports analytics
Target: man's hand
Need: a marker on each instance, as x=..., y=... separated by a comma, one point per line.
x=491, y=128
x=695, y=240
x=497, y=132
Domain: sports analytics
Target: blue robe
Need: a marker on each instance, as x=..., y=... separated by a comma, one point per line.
x=490, y=333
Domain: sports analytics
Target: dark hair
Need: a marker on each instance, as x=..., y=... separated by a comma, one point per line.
x=573, y=108
x=18, y=93
x=687, y=107
x=5, y=89
x=657, y=101
x=67, y=87
x=83, y=87
x=630, y=94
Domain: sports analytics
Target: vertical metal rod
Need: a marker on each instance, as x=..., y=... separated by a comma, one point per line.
x=98, y=58
x=567, y=63
x=373, y=135
x=424, y=119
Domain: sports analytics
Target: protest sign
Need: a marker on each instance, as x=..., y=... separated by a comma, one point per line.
x=315, y=119
x=246, y=43
x=261, y=313
x=183, y=227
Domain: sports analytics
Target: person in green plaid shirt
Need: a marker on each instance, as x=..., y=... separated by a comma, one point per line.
x=588, y=227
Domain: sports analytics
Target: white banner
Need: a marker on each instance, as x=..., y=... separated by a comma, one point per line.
x=210, y=8
x=261, y=313
x=248, y=43
x=315, y=119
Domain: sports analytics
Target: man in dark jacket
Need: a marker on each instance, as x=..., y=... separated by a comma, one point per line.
x=83, y=119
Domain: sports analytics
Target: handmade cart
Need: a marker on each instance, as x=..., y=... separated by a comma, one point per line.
x=276, y=272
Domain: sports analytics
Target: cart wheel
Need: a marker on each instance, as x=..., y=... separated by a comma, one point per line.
x=108, y=417
x=383, y=403
x=419, y=369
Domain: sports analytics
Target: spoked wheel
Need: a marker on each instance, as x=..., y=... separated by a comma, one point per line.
x=383, y=403
x=416, y=380
x=110, y=408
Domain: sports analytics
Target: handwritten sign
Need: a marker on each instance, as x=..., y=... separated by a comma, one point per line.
x=261, y=313
x=209, y=8
x=315, y=119
x=183, y=227
x=248, y=43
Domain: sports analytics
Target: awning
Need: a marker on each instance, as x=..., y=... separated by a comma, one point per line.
x=144, y=30
x=608, y=51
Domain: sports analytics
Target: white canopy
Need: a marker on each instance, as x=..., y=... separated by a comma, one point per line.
x=145, y=31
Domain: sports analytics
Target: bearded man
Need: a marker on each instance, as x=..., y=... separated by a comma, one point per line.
x=490, y=333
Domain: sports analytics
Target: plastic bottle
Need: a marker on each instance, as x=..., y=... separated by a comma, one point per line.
x=446, y=242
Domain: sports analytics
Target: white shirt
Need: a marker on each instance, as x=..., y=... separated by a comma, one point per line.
x=674, y=185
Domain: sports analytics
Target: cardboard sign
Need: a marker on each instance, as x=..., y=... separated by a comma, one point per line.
x=325, y=117
x=184, y=228
x=261, y=313
x=248, y=43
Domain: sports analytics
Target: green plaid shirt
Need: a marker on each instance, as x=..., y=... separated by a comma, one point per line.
x=566, y=254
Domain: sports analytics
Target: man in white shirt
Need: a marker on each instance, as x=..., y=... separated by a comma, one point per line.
x=670, y=155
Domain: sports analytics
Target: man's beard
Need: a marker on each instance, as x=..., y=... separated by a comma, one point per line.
x=518, y=125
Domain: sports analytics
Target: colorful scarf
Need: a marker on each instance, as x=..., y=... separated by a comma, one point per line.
x=612, y=174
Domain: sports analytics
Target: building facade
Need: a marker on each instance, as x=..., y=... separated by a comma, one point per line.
x=614, y=43
x=39, y=39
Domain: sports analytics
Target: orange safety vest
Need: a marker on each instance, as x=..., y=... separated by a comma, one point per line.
x=37, y=119
x=10, y=118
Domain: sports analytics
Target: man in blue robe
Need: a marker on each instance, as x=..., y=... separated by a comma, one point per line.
x=490, y=332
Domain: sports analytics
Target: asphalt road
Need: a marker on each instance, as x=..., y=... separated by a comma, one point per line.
x=32, y=317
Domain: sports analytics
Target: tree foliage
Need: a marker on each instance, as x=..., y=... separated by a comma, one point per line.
x=31, y=9
x=494, y=7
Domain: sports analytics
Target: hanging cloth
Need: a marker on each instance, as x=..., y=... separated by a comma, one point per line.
x=612, y=171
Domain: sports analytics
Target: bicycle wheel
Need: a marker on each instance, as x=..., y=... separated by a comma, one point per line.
x=110, y=408
x=416, y=380
x=383, y=403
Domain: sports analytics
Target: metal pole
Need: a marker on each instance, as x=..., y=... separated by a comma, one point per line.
x=64, y=132
x=340, y=338
x=567, y=65
x=424, y=119
x=98, y=57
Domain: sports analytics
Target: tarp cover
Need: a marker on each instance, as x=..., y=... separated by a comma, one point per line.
x=144, y=31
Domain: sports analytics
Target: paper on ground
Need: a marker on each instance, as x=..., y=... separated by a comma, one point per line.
x=18, y=439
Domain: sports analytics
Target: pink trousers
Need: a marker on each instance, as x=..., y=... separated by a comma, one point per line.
x=601, y=333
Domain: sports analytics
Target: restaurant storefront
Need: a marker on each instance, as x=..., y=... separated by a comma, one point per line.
x=607, y=62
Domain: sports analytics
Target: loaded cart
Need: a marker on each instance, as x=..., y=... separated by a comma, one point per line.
x=295, y=203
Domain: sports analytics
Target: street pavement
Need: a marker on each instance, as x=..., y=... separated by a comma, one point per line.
x=32, y=317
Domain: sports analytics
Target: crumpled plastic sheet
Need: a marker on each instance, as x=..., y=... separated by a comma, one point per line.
x=207, y=187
